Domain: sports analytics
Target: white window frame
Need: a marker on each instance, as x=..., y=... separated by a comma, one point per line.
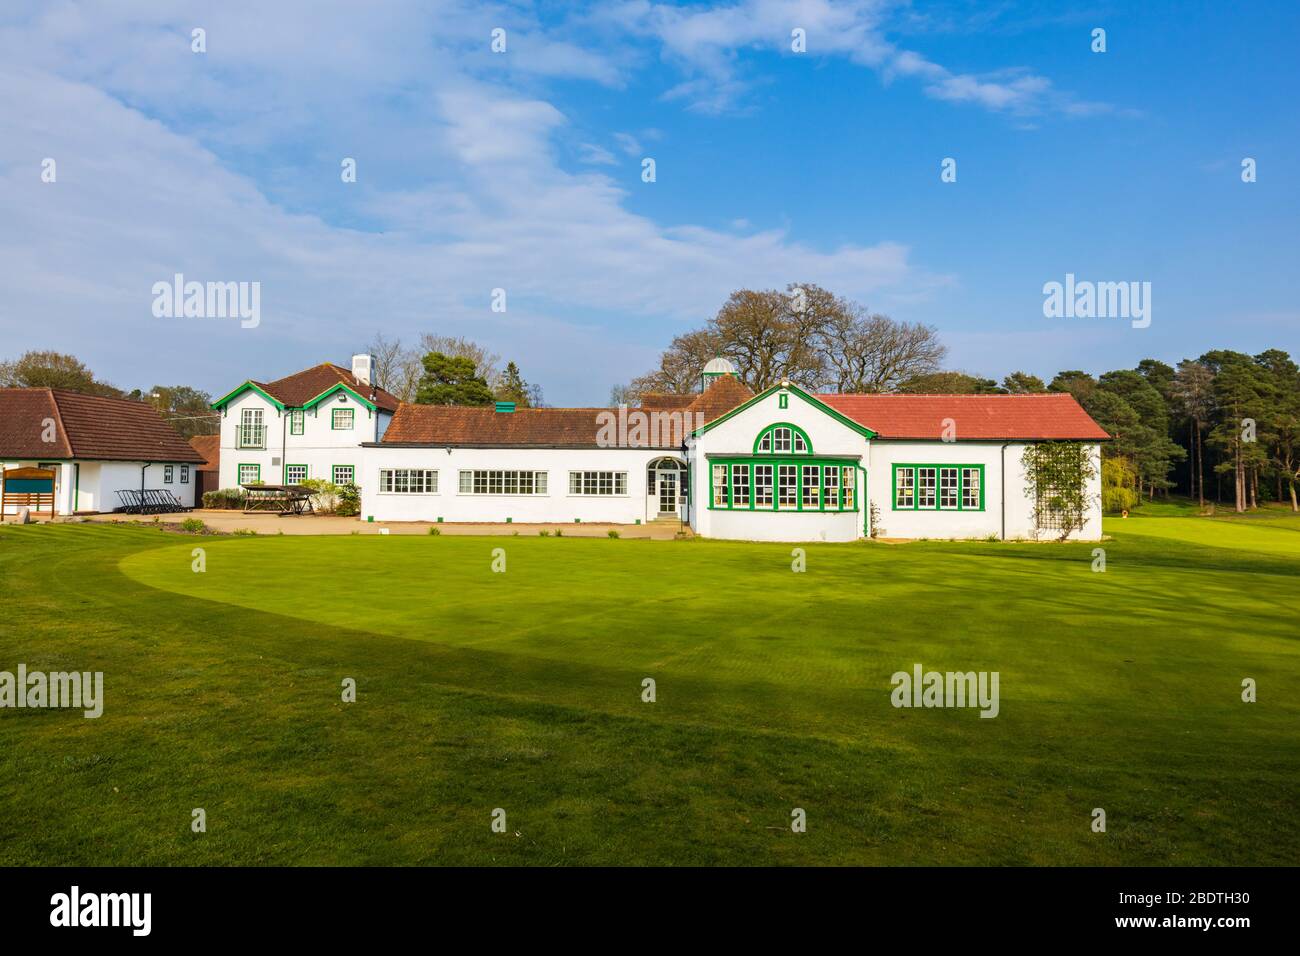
x=517, y=482
x=927, y=488
x=949, y=487
x=781, y=485
x=739, y=486
x=905, y=488
x=604, y=484
x=764, y=490
x=408, y=481
x=971, y=491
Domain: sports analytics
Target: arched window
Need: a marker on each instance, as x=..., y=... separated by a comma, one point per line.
x=782, y=439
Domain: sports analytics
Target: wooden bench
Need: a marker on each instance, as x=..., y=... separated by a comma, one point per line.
x=27, y=488
x=282, y=499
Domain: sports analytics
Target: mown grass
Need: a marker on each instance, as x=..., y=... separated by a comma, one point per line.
x=522, y=690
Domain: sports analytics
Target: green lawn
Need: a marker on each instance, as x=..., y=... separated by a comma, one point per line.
x=522, y=690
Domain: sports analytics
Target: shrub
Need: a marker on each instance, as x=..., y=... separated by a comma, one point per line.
x=559, y=533
x=543, y=533
x=434, y=532
x=1118, y=481
x=349, y=500
x=612, y=533
x=245, y=532
x=324, y=494
x=225, y=499
x=193, y=525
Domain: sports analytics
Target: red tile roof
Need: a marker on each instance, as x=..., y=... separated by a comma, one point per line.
x=1054, y=416
x=454, y=425
x=300, y=388
x=724, y=394
x=458, y=425
x=86, y=426
x=209, y=446
x=663, y=401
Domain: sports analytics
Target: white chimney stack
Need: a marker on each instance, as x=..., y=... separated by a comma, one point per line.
x=363, y=368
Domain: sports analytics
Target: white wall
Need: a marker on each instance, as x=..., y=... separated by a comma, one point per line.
x=319, y=447
x=557, y=505
x=829, y=436
x=736, y=436
x=91, y=487
x=909, y=523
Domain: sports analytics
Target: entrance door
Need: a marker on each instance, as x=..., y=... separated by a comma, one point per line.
x=667, y=492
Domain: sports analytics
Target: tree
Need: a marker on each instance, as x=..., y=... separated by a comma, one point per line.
x=680, y=366
x=1117, y=482
x=864, y=353
x=949, y=383
x=511, y=387
x=451, y=380
x=768, y=338
x=486, y=362
x=53, y=370
x=1238, y=388
x=1022, y=383
x=1057, y=477
x=1283, y=425
x=393, y=366
x=1192, y=391
x=400, y=369
x=186, y=409
x=1152, y=451
x=1078, y=383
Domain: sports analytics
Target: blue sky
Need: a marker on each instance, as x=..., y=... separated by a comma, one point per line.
x=521, y=170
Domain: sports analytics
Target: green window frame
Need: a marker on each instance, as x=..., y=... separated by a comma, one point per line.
x=336, y=476
x=348, y=414
x=942, y=486
x=783, y=438
x=297, y=421
x=783, y=400
x=288, y=480
x=257, y=473
x=783, y=484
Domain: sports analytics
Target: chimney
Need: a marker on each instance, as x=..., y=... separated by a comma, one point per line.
x=363, y=368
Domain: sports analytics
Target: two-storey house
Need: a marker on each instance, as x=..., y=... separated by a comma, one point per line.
x=307, y=425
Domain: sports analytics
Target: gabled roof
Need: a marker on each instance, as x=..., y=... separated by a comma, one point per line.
x=209, y=446
x=1049, y=417
x=90, y=427
x=302, y=389
x=723, y=394
x=795, y=390
x=484, y=426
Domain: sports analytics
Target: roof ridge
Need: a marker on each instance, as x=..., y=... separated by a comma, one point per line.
x=63, y=430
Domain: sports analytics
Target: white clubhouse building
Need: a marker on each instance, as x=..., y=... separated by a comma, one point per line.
x=783, y=465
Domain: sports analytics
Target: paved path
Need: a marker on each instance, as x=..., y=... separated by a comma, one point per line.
x=262, y=523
